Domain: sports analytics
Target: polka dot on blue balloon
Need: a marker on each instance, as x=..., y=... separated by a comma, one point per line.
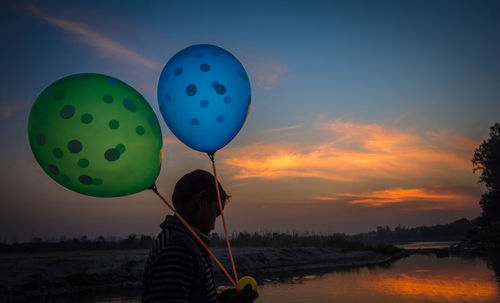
x=191, y=90
x=152, y=120
x=112, y=81
x=220, y=89
x=47, y=92
x=244, y=76
x=194, y=121
x=227, y=99
x=129, y=104
x=40, y=139
x=204, y=103
x=204, y=67
x=168, y=98
x=178, y=71
x=220, y=119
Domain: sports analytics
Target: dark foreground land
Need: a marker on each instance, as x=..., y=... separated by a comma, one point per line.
x=25, y=276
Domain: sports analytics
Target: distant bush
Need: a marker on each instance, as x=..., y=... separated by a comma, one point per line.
x=83, y=243
x=283, y=240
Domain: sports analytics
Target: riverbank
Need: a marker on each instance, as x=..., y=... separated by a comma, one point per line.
x=44, y=275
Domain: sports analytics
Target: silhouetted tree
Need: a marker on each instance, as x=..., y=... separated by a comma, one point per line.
x=486, y=160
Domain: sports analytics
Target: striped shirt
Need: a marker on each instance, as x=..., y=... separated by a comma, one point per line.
x=178, y=269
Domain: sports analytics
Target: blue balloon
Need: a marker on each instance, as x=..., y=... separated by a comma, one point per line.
x=204, y=96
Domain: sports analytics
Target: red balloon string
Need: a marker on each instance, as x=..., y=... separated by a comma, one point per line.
x=224, y=221
x=198, y=238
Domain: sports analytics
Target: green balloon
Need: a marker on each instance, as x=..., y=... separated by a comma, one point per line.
x=96, y=135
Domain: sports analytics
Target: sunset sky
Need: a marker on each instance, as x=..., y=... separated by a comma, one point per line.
x=364, y=113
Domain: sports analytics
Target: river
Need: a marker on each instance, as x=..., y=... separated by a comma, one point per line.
x=416, y=278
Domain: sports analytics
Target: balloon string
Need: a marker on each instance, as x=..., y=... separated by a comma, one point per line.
x=196, y=236
x=211, y=156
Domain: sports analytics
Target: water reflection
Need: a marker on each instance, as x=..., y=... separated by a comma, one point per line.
x=415, y=279
x=418, y=278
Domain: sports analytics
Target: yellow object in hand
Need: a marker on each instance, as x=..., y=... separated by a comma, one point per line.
x=244, y=281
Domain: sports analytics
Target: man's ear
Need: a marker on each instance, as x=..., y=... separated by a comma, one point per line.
x=201, y=198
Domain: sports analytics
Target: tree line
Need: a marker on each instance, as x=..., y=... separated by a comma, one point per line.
x=456, y=230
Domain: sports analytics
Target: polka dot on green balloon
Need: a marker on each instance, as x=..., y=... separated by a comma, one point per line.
x=107, y=98
x=60, y=95
x=113, y=124
x=83, y=163
x=64, y=179
x=75, y=146
x=67, y=111
x=47, y=92
x=129, y=104
x=86, y=118
x=40, y=139
x=112, y=154
x=53, y=169
x=58, y=153
x=97, y=181
x=140, y=130
x=120, y=148
x=84, y=179
x=152, y=120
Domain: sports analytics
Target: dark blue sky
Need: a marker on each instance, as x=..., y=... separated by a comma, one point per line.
x=360, y=109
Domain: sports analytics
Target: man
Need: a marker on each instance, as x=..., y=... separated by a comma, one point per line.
x=178, y=268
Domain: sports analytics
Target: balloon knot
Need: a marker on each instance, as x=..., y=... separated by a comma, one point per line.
x=153, y=188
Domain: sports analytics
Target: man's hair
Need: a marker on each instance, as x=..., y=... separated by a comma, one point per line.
x=193, y=183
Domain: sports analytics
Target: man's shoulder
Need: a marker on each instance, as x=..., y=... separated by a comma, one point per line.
x=179, y=239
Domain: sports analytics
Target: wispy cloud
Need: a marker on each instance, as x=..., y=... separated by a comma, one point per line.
x=268, y=72
x=172, y=140
x=355, y=152
x=285, y=128
x=88, y=36
x=325, y=198
x=8, y=109
x=440, y=196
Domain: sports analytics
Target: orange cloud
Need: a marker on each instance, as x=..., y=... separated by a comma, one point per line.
x=400, y=195
x=324, y=198
x=94, y=39
x=355, y=152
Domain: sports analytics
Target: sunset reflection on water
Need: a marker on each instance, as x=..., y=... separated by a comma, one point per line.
x=418, y=278
x=445, y=288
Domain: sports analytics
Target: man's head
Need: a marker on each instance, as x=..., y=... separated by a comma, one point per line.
x=195, y=199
